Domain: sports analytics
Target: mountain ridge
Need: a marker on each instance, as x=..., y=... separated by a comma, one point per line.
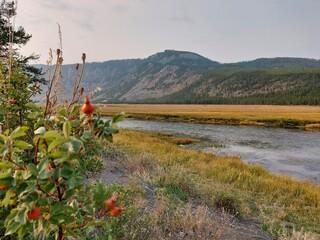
x=185, y=77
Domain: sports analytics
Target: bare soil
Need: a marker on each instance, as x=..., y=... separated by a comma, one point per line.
x=231, y=227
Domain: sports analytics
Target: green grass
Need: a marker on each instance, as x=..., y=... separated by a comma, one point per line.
x=280, y=203
x=175, y=191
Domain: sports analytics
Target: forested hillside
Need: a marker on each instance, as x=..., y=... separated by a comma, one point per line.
x=287, y=86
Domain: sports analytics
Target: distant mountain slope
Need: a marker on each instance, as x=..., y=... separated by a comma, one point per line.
x=252, y=87
x=185, y=77
x=173, y=57
x=280, y=62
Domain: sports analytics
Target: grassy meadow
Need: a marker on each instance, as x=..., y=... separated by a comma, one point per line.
x=282, y=205
x=265, y=115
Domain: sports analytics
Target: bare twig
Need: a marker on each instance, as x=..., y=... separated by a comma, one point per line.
x=53, y=79
x=77, y=93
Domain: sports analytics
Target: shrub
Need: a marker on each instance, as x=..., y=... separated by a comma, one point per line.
x=45, y=156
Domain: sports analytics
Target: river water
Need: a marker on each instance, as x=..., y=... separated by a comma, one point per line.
x=295, y=153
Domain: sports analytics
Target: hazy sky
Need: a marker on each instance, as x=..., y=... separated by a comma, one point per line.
x=222, y=30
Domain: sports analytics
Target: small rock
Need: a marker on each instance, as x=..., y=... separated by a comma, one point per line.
x=181, y=234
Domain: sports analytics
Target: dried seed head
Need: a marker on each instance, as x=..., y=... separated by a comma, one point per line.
x=83, y=57
x=87, y=100
x=77, y=66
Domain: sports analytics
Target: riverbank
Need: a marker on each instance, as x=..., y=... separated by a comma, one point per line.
x=282, y=205
x=282, y=151
x=303, y=117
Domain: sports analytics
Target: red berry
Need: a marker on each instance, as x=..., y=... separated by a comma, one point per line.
x=34, y=213
x=4, y=187
x=116, y=211
x=80, y=204
x=12, y=101
x=110, y=204
x=111, y=201
x=87, y=107
x=49, y=167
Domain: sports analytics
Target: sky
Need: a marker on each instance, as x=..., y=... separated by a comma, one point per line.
x=221, y=30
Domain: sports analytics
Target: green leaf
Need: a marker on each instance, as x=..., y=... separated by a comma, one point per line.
x=75, y=110
x=34, y=115
x=6, y=179
x=44, y=173
x=21, y=216
x=75, y=146
x=52, y=134
x=21, y=188
x=107, y=123
x=7, y=198
x=99, y=193
x=49, y=187
x=63, y=112
x=12, y=215
x=33, y=106
x=55, y=143
x=3, y=138
x=87, y=135
x=26, y=174
x=40, y=122
x=68, y=193
x=40, y=131
x=118, y=117
x=6, y=165
x=67, y=129
x=56, y=208
x=112, y=130
x=66, y=171
x=22, y=144
x=95, y=151
x=89, y=229
x=56, y=173
x=12, y=228
x=28, y=189
x=22, y=231
x=33, y=169
x=56, y=155
x=18, y=132
x=72, y=183
x=31, y=197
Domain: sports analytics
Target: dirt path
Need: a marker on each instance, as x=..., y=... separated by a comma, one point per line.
x=231, y=228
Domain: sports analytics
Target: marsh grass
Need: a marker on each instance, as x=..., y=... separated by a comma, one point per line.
x=227, y=183
x=259, y=115
x=176, y=140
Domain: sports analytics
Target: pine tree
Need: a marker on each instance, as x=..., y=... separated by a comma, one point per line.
x=12, y=40
x=19, y=81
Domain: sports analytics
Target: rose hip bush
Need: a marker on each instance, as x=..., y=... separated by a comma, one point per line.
x=43, y=194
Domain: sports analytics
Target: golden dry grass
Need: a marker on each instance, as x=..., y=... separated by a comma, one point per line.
x=269, y=197
x=244, y=114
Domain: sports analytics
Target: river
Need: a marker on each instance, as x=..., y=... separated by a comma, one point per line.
x=295, y=153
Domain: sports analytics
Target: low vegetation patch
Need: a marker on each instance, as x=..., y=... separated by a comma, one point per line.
x=280, y=203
